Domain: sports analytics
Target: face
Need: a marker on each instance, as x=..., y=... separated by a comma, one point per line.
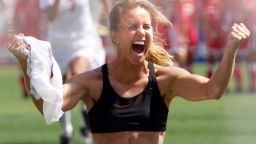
x=135, y=35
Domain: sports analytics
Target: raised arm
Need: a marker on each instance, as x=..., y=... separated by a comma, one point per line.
x=220, y=78
x=72, y=91
x=16, y=47
x=195, y=87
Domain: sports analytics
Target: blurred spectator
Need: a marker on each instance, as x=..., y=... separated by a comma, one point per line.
x=100, y=10
x=28, y=19
x=180, y=40
x=6, y=13
x=251, y=55
x=212, y=21
x=77, y=48
x=208, y=21
x=184, y=36
x=164, y=30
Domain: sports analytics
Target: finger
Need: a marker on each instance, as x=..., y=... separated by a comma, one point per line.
x=13, y=39
x=245, y=28
x=241, y=33
x=234, y=26
x=12, y=46
x=9, y=46
x=20, y=47
x=11, y=43
x=16, y=50
x=14, y=43
x=18, y=40
x=235, y=35
x=242, y=30
x=10, y=38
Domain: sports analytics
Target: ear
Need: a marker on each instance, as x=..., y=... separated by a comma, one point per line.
x=114, y=37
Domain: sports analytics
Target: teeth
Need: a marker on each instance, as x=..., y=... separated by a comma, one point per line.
x=139, y=42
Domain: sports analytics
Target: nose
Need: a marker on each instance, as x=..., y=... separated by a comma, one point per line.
x=140, y=32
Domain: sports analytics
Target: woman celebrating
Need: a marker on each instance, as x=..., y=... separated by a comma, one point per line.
x=128, y=98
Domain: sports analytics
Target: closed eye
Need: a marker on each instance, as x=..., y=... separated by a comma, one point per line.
x=147, y=26
x=133, y=27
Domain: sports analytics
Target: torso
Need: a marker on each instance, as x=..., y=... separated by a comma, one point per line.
x=96, y=85
x=127, y=137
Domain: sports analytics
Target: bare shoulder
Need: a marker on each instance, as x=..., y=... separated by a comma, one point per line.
x=87, y=78
x=89, y=83
x=170, y=71
x=167, y=77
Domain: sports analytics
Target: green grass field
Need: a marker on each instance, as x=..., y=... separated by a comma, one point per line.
x=230, y=120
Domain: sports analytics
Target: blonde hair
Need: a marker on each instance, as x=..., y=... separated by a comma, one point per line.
x=156, y=53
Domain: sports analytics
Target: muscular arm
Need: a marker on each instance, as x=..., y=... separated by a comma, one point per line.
x=195, y=87
x=16, y=46
x=72, y=91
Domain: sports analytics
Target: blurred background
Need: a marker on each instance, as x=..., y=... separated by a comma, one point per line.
x=197, y=40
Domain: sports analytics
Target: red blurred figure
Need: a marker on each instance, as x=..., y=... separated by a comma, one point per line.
x=185, y=29
x=28, y=20
x=181, y=39
x=212, y=22
x=163, y=29
x=250, y=15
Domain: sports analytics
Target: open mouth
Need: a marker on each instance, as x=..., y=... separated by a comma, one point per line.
x=138, y=46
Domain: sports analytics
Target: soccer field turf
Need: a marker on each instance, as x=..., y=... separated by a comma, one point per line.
x=230, y=120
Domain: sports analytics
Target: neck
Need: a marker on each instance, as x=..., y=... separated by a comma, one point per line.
x=127, y=72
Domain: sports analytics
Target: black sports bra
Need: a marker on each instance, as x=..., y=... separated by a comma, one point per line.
x=143, y=112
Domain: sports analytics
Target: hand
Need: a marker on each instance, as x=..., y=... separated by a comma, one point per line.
x=16, y=46
x=238, y=34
